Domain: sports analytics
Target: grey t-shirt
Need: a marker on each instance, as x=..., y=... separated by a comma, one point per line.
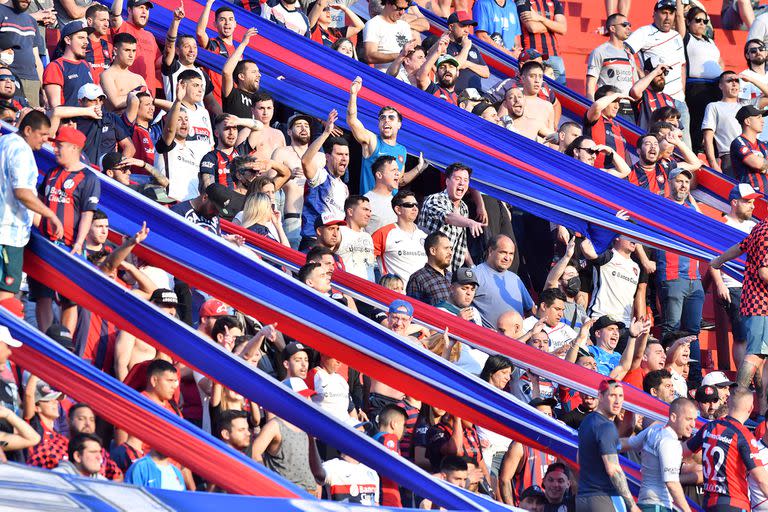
x=612, y=66
x=597, y=437
x=720, y=117
x=662, y=455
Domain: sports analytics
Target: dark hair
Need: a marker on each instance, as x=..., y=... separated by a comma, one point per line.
x=97, y=257
x=99, y=215
x=432, y=239
x=225, y=420
x=453, y=463
x=123, y=38
x=657, y=126
x=672, y=337
x=91, y=11
x=223, y=9
x=605, y=90
x=641, y=138
x=257, y=184
x=389, y=412
x=159, y=366
x=557, y=466
x=575, y=144
x=493, y=364
x=182, y=37
x=335, y=141
x=455, y=167
x=393, y=109
x=550, y=295
x=75, y=408
x=262, y=96
x=746, y=45
x=239, y=68
x=652, y=380
x=306, y=270
x=189, y=74
x=316, y=253
x=341, y=41
x=36, y=120
x=611, y=21
x=725, y=73
x=568, y=124
x=381, y=162
x=222, y=324
x=353, y=201
x=400, y=197
x=531, y=64
x=692, y=12
x=77, y=444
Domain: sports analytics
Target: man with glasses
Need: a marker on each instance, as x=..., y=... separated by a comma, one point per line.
x=399, y=247
x=585, y=150
x=610, y=64
x=756, y=56
x=386, y=34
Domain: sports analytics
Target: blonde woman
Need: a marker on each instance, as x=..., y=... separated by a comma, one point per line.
x=260, y=217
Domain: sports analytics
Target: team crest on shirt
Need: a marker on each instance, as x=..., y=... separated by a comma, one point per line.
x=400, y=158
x=9, y=280
x=390, y=443
x=744, y=150
x=69, y=183
x=661, y=179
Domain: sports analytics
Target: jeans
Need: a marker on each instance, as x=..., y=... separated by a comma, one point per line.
x=685, y=121
x=682, y=301
x=558, y=66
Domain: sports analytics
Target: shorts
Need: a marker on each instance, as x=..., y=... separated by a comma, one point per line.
x=757, y=334
x=38, y=290
x=600, y=504
x=11, y=262
x=732, y=310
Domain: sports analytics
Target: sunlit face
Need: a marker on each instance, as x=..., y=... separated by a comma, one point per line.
x=501, y=257
x=125, y=54
x=139, y=15
x=99, y=231
x=665, y=391
x=654, y=357
x=441, y=254
x=681, y=187
x=649, y=150
x=182, y=126
x=227, y=135
x=90, y=459
x=195, y=90
x=297, y=365
x=360, y=214
x=463, y=295
x=415, y=60
x=389, y=123
x=742, y=208
x=7, y=84
x=399, y=323
x=457, y=185
x=389, y=175
x=165, y=384
x=539, y=341
x=501, y=378
x=239, y=435
x=264, y=111
x=48, y=409
x=611, y=400
x=684, y=422
x=555, y=485
x=347, y=49
x=99, y=22
x=457, y=478
x=664, y=19
x=66, y=153
x=78, y=44
x=36, y=138
x=608, y=337
x=554, y=313
x=338, y=160
x=532, y=80
x=514, y=101
x=83, y=421
x=408, y=210
x=146, y=108
x=226, y=24
x=187, y=50
x=300, y=132
x=249, y=77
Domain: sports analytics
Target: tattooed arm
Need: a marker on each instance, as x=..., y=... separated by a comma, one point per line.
x=618, y=479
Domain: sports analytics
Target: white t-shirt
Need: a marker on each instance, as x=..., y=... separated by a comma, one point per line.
x=390, y=37
x=381, y=211
x=680, y=384
x=720, y=117
x=521, y=387
x=667, y=48
x=332, y=395
x=756, y=496
x=559, y=335
x=398, y=251
x=356, y=251
x=496, y=443
x=703, y=59
x=351, y=483
x=614, y=285
x=745, y=226
x=662, y=455
x=200, y=138
x=182, y=166
x=759, y=29
x=749, y=94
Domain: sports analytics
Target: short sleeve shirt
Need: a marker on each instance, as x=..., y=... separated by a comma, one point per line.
x=389, y=37
x=597, y=437
x=720, y=117
x=612, y=66
x=17, y=170
x=667, y=47
x=754, y=295
x=494, y=19
x=741, y=148
x=23, y=28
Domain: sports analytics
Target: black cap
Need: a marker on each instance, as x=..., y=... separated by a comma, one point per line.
x=8, y=40
x=603, y=322
x=707, y=394
x=481, y=107
x=749, y=111
x=135, y=3
x=110, y=160
x=665, y=4
x=73, y=27
x=298, y=117
x=533, y=491
x=156, y=193
x=164, y=297
x=462, y=19
x=220, y=195
x=61, y=335
x=294, y=347
x=465, y=276
x=552, y=402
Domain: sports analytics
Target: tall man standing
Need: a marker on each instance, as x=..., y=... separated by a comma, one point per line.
x=610, y=64
x=147, y=51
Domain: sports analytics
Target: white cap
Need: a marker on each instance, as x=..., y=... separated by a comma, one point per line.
x=5, y=337
x=90, y=92
x=716, y=379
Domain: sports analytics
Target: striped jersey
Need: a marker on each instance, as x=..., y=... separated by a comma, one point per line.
x=69, y=194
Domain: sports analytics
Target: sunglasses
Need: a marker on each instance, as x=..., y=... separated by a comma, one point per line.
x=6, y=78
x=732, y=80
x=409, y=205
x=624, y=24
x=401, y=9
x=388, y=117
x=591, y=151
x=701, y=20
x=753, y=50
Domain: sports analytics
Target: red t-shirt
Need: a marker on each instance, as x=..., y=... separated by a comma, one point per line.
x=147, y=54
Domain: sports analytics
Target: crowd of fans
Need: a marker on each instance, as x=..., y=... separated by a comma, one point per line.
x=211, y=144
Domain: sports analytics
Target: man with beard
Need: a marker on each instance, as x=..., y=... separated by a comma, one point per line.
x=431, y=284
x=515, y=121
x=742, y=200
x=203, y=210
x=648, y=93
x=99, y=50
x=26, y=63
x=605, y=333
x=223, y=44
x=232, y=428
x=64, y=77
x=472, y=67
x=327, y=191
x=240, y=79
x=750, y=154
x=447, y=71
x=147, y=52
x=118, y=80
x=82, y=420
x=648, y=172
x=215, y=165
x=756, y=56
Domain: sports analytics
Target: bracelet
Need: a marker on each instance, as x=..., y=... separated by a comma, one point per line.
x=143, y=165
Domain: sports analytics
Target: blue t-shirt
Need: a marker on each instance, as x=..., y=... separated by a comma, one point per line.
x=597, y=437
x=367, y=181
x=498, y=292
x=23, y=27
x=492, y=18
x=606, y=361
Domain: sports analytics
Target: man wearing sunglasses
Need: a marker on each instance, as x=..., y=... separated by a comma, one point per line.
x=648, y=92
x=610, y=64
x=386, y=34
x=399, y=247
x=756, y=55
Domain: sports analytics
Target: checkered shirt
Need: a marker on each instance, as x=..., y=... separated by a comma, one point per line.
x=754, y=295
x=429, y=286
x=51, y=450
x=432, y=218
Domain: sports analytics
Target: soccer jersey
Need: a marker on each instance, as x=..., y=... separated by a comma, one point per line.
x=216, y=163
x=745, y=226
x=356, y=250
x=70, y=75
x=741, y=148
x=142, y=141
x=754, y=295
x=99, y=56
x=654, y=180
x=398, y=251
x=559, y=335
x=69, y=194
x=350, y=482
x=324, y=193
x=200, y=138
x=612, y=66
x=534, y=466
x=171, y=78
x=544, y=42
x=615, y=280
x=607, y=132
x=666, y=48
x=398, y=151
x=648, y=103
x=95, y=339
x=180, y=164
x=332, y=393
x=661, y=457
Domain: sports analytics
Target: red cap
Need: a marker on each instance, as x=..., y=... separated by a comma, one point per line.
x=13, y=305
x=71, y=135
x=606, y=384
x=213, y=307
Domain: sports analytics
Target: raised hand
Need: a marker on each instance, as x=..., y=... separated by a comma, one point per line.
x=356, y=85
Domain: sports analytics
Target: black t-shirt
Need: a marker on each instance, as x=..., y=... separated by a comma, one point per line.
x=186, y=210
x=467, y=78
x=102, y=135
x=239, y=103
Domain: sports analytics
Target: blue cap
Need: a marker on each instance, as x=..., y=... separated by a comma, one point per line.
x=401, y=306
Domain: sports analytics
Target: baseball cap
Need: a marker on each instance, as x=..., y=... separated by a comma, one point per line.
x=706, y=393
x=603, y=322
x=329, y=219
x=446, y=58
x=299, y=386
x=8, y=40
x=462, y=18
x=70, y=135
x=464, y=276
x=110, y=160
x=213, y=307
x=156, y=193
x=533, y=491
x=481, y=107
x=220, y=195
x=401, y=306
x=14, y=306
x=677, y=171
x=73, y=27
x=552, y=402
x=164, y=297
x=135, y=3
x=90, y=92
x=651, y=63
x=61, y=335
x=298, y=117
x=529, y=54
x=294, y=347
x=5, y=337
x=607, y=383
x=717, y=379
x=665, y=4
x=743, y=191
x=44, y=392
x=470, y=93
x=749, y=111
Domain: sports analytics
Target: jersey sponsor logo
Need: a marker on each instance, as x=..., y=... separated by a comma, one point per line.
x=622, y=276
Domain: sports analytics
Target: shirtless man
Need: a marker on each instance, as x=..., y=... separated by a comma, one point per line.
x=129, y=350
x=263, y=143
x=117, y=80
x=538, y=113
x=298, y=131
